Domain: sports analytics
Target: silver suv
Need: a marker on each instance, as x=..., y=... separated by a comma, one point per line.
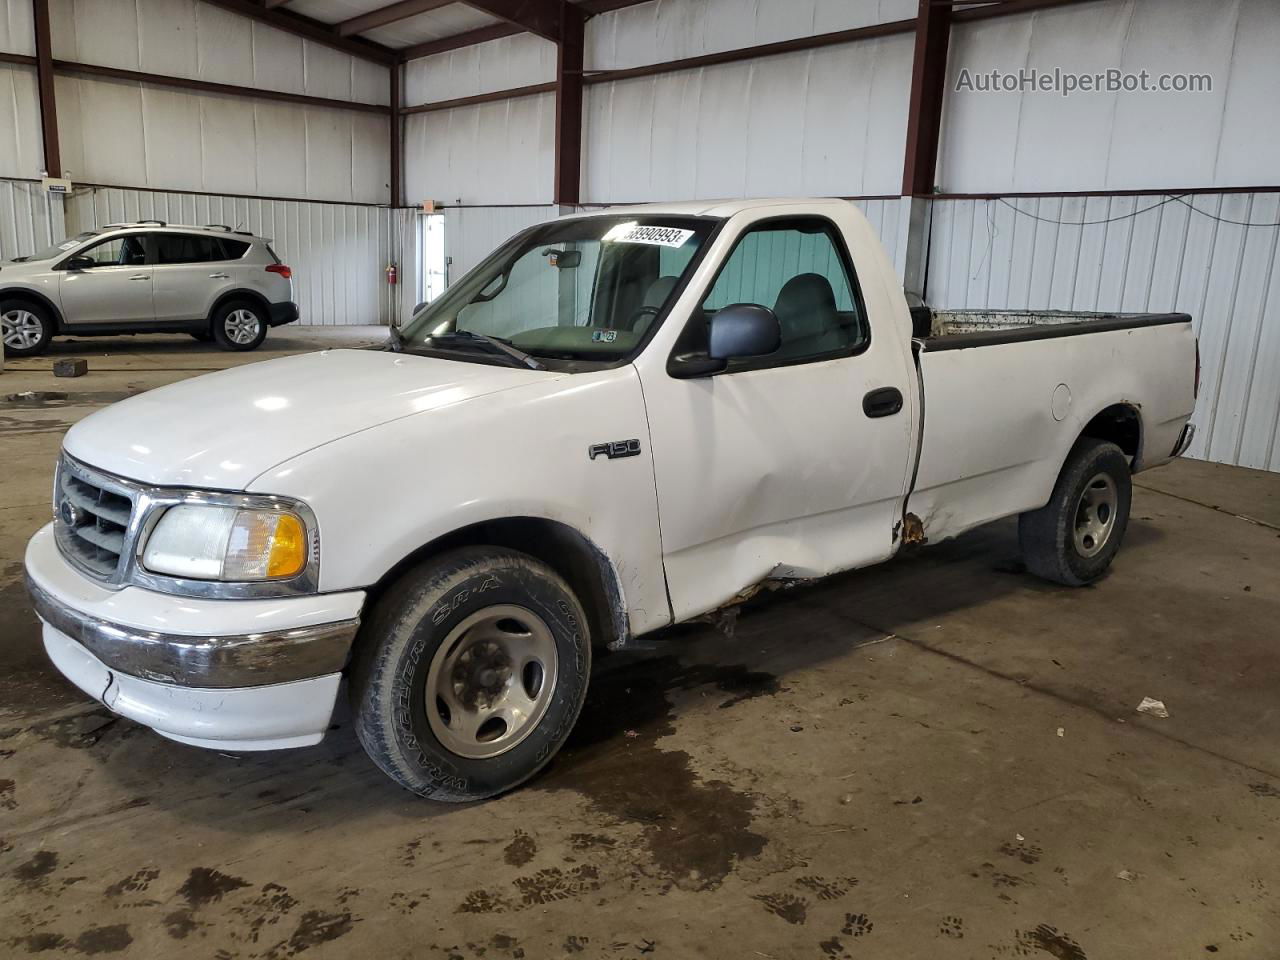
x=212, y=282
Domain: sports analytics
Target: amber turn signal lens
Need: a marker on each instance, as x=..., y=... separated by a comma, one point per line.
x=288, y=547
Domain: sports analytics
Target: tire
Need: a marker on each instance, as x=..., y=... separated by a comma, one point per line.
x=232, y=325
x=448, y=625
x=25, y=327
x=204, y=336
x=1075, y=536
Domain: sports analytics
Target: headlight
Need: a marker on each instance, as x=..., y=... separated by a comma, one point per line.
x=210, y=542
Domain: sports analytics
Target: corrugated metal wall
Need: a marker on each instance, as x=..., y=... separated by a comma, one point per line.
x=29, y=219
x=471, y=233
x=821, y=122
x=143, y=135
x=501, y=152
x=1041, y=141
x=1136, y=254
x=338, y=252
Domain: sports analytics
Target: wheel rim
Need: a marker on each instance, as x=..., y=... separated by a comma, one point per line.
x=1095, y=515
x=491, y=681
x=21, y=329
x=242, y=326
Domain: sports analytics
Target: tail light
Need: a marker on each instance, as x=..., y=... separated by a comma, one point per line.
x=1196, y=395
x=281, y=269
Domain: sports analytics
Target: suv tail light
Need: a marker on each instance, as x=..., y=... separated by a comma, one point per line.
x=281, y=269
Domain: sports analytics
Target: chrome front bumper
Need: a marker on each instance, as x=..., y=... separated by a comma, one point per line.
x=237, y=660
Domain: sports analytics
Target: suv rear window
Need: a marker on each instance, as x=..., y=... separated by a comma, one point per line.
x=184, y=248
x=233, y=249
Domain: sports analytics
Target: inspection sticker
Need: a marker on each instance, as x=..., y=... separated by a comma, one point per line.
x=653, y=236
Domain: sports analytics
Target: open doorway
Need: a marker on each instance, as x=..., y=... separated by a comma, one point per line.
x=434, y=275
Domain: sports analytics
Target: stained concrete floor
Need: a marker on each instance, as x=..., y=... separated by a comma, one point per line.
x=936, y=758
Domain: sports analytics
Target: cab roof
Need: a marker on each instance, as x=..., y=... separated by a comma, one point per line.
x=711, y=208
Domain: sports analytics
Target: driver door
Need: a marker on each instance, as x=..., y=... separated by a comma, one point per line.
x=117, y=288
x=775, y=468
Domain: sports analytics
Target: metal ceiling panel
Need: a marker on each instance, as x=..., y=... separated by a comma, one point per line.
x=432, y=25
x=334, y=11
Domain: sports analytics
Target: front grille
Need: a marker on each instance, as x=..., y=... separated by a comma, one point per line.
x=92, y=513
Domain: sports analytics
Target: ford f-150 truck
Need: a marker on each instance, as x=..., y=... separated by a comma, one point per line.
x=616, y=422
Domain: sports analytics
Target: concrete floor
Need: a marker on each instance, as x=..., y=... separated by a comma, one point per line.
x=936, y=758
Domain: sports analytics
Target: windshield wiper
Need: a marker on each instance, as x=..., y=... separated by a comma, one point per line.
x=497, y=344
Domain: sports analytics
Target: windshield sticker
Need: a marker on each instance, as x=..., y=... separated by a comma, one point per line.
x=653, y=236
x=604, y=336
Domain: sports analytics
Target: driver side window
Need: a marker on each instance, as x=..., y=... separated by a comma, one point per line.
x=797, y=268
x=119, y=251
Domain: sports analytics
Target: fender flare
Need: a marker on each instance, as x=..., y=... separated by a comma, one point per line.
x=240, y=293
x=20, y=293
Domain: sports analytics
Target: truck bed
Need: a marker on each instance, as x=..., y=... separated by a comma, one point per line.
x=960, y=329
x=999, y=421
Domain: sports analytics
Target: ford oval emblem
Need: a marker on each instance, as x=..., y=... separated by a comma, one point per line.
x=69, y=514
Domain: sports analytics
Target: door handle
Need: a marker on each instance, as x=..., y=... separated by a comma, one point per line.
x=884, y=402
x=219, y=276
x=141, y=276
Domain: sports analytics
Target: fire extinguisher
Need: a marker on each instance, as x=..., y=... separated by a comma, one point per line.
x=391, y=274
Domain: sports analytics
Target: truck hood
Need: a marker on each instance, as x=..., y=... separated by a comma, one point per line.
x=222, y=430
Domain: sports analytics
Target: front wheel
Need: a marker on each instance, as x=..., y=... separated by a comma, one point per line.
x=25, y=328
x=1075, y=536
x=239, y=325
x=471, y=672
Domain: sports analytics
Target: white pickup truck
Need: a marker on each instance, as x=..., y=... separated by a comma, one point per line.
x=616, y=422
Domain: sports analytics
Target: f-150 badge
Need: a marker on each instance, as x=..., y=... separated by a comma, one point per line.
x=614, y=450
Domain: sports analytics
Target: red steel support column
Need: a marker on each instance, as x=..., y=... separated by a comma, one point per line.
x=569, y=56
x=928, y=83
x=44, y=81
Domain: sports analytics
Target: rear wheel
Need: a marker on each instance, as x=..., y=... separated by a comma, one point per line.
x=472, y=671
x=239, y=325
x=1075, y=536
x=25, y=327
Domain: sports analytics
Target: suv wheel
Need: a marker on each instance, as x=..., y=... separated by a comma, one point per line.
x=25, y=328
x=239, y=325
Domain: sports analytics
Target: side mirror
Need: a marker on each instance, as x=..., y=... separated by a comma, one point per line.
x=738, y=330
x=744, y=330
x=79, y=263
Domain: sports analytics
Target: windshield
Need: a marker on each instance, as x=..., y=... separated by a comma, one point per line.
x=58, y=249
x=585, y=289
